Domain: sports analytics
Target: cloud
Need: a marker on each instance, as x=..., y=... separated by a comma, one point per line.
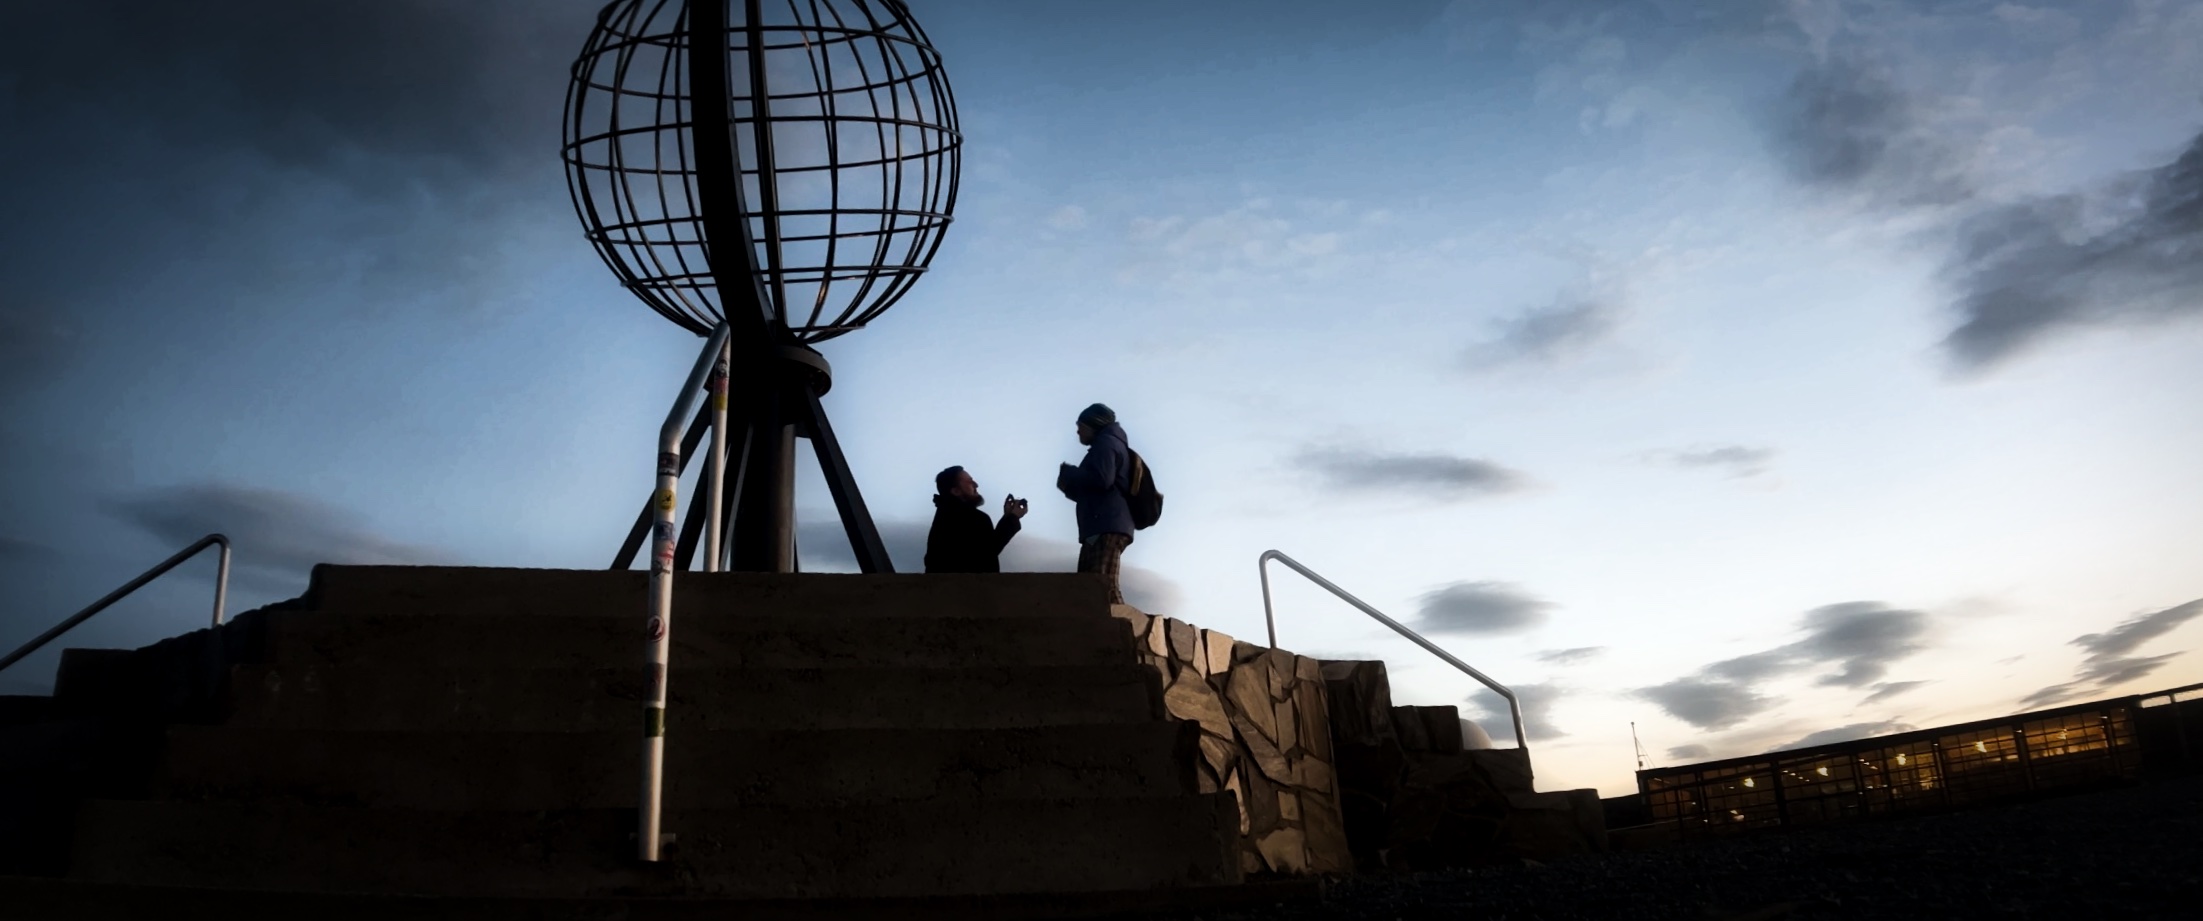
x=2020, y=271
x=277, y=535
x=1570, y=656
x=16, y=548
x=1690, y=752
x=1736, y=461
x=35, y=345
x=822, y=546
x=1545, y=335
x=2027, y=270
x=1441, y=475
x=390, y=150
x=1859, y=638
x=1891, y=689
x=1489, y=710
x=1848, y=733
x=1713, y=705
x=1846, y=126
x=1067, y=218
x=1480, y=607
x=2110, y=661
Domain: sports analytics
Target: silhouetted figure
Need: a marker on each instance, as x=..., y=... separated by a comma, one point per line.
x=962, y=539
x=1097, y=483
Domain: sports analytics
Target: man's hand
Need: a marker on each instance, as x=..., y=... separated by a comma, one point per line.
x=1011, y=508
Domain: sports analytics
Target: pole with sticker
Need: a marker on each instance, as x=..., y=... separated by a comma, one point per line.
x=659, y=628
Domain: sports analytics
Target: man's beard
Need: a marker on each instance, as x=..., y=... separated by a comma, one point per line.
x=976, y=500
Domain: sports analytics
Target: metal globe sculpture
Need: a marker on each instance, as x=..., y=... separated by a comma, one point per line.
x=771, y=175
x=844, y=136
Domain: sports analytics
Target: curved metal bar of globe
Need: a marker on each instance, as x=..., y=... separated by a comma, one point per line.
x=221, y=595
x=660, y=626
x=1522, y=741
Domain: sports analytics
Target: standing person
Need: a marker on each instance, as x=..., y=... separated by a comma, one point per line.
x=962, y=539
x=1097, y=483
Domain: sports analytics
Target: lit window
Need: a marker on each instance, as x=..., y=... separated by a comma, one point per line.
x=1982, y=746
x=1747, y=781
x=1900, y=759
x=1822, y=771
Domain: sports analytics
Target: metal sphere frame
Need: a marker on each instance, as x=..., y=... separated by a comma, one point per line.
x=847, y=109
x=791, y=185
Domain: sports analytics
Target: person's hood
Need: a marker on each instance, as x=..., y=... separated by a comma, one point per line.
x=1112, y=430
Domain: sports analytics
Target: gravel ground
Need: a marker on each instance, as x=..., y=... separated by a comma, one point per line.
x=2135, y=852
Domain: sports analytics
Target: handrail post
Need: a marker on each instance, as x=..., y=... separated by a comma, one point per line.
x=660, y=625
x=221, y=577
x=1269, y=618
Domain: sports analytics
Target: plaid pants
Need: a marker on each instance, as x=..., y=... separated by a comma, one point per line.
x=1101, y=553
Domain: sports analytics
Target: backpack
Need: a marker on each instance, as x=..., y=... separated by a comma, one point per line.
x=1140, y=492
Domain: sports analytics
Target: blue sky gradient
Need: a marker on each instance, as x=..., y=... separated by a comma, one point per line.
x=1750, y=371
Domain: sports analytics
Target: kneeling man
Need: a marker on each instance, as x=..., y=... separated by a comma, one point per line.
x=962, y=539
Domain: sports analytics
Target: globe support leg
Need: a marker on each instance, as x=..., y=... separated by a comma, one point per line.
x=864, y=536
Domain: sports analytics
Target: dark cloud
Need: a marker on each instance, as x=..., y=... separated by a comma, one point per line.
x=1860, y=639
x=276, y=536
x=1480, y=607
x=1863, y=637
x=35, y=345
x=2110, y=661
x=1490, y=712
x=1570, y=656
x=1846, y=125
x=2027, y=270
x=1734, y=460
x=1440, y=475
x=1848, y=733
x=1691, y=752
x=1544, y=335
x=2021, y=272
x=384, y=150
x=16, y=548
x=1890, y=689
x=822, y=546
x=1707, y=704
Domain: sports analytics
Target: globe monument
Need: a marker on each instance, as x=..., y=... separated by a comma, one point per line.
x=785, y=170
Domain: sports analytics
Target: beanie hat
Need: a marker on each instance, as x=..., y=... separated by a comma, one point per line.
x=1097, y=416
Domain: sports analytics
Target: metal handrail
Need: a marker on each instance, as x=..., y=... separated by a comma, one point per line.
x=713, y=361
x=1269, y=619
x=221, y=595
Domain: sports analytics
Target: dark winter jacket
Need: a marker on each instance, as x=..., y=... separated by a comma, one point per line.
x=1098, y=483
x=964, y=540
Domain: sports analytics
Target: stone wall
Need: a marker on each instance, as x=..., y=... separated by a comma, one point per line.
x=1265, y=736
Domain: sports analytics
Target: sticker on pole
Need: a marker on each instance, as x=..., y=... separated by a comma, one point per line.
x=665, y=532
x=665, y=499
x=669, y=465
x=657, y=627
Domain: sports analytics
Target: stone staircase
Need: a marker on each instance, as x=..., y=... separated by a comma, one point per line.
x=475, y=733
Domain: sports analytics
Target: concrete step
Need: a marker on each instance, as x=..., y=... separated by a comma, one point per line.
x=1509, y=768
x=704, y=770
x=42, y=899
x=23, y=709
x=760, y=641
x=584, y=700
x=468, y=591
x=871, y=850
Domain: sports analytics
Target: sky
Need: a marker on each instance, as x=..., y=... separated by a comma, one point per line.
x=1747, y=373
